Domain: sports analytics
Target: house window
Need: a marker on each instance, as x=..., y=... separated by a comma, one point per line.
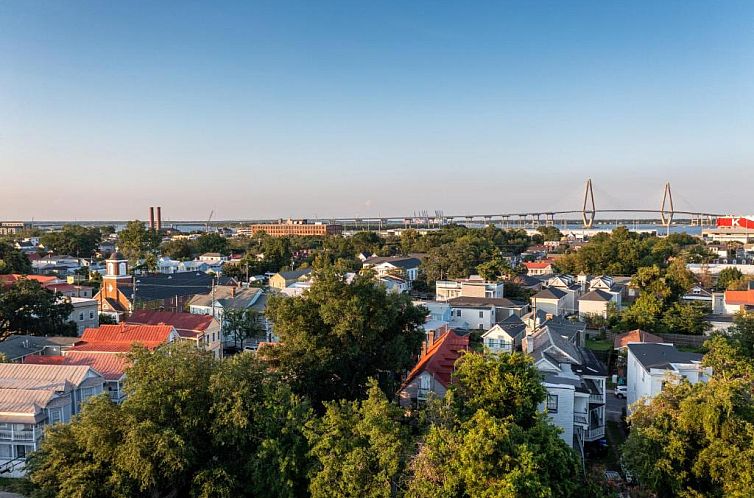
x=552, y=403
x=458, y=313
x=55, y=415
x=91, y=315
x=81, y=316
x=481, y=314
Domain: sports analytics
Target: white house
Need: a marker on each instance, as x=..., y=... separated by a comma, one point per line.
x=552, y=301
x=572, y=289
x=575, y=381
x=85, y=313
x=650, y=366
x=505, y=337
x=480, y=312
x=474, y=286
x=596, y=302
x=213, y=258
x=406, y=268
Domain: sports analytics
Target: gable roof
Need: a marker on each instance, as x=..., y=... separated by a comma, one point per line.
x=550, y=293
x=294, y=274
x=661, y=355
x=186, y=324
x=597, y=295
x=24, y=403
x=440, y=359
x=635, y=336
x=111, y=366
x=163, y=286
x=228, y=297
x=26, y=376
x=125, y=334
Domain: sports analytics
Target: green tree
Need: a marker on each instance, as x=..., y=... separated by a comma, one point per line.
x=487, y=438
x=698, y=440
x=742, y=333
x=359, y=448
x=28, y=308
x=550, y=233
x=180, y=249
x=135, y=240
x=75, y=240
x=241, y=324
x=212, y=242
x=12, y=260
x=495, y=269
x=337, y=335
x=727, y=277
x=190, y=425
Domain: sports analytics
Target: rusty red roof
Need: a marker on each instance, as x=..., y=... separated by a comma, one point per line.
x=440, y=358
x=537, y=265
x=634, y=336
x=127, y=334
x=187, y=324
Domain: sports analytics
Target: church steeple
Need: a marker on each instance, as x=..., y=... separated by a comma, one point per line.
x=116, y=267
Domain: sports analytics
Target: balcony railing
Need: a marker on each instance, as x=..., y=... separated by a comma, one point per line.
x=595, y=433
x=422, y=393
x=580, y=418
x=22, y=435
x=596, y=398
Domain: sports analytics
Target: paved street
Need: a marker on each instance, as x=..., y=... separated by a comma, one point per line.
x=614, y=407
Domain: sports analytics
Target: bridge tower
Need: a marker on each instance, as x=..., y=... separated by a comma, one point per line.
x=589, y=211
x=666, y=215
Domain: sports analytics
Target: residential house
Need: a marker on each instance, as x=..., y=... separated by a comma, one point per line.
x=595, y=303
x=650, y=366
x=534, y=268
x=16, y=348
x=85, y=313
x=735, y=301
x=474, y=286
x=572, y=288
x=112, y=367
x=283, y=279
x=202, y=329
x=213, y=258
x=394, y=283
x=437, y=310
x=575, y=381
x=433, y=372
x=122, y=337
x=481, y=312
x=551, y=300
x=34, y=396
x=698, y=294
x=506, y=336
x=234, y=298
x=405, y=267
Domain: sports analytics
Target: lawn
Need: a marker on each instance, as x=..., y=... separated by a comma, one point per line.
x=599, y=344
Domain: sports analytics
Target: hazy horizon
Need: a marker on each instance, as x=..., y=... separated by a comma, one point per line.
x=297, y=109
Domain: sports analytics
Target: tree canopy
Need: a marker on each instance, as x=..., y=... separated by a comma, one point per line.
x=12, y=260
x=337, y=335
x=74, y=240
x=28, y=308
x=698, y=440
x=135, y=240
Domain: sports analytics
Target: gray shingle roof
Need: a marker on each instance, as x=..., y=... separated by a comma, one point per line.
x=661, y=355
x=597, y=295
x=475, y=302
x=550, y=293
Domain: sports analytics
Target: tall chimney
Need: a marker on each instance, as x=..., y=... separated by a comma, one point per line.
x=159, y=218
x=151, y=218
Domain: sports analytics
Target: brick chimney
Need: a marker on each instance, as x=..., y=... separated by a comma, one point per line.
x=424, y=350
x=151, y=218
x=159, y=218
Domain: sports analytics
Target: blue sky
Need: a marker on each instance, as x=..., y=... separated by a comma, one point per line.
x=267, y=109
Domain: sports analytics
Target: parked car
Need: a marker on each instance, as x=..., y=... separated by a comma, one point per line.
x=621, y=391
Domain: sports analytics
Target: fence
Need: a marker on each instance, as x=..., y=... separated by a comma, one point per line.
x=695, y=341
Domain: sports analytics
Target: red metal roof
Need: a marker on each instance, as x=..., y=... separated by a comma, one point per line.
x=441, y=357
x=112, y=366
x=15, y=277
x=537, y=265
x=745, y=297
x=125, y=334
x=187, y=324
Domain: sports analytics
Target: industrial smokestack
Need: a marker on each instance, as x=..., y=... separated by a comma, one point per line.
x=151, y=218
x=159, y=218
